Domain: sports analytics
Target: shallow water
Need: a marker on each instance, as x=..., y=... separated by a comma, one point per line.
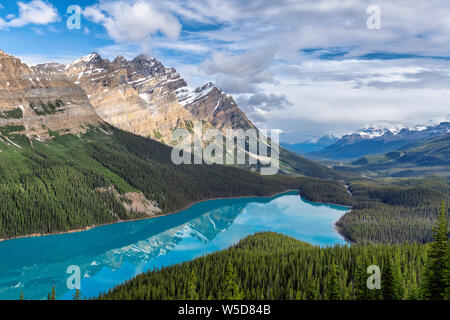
x=111, y=254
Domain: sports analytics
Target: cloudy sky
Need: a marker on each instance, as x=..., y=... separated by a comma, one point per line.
x=307, y=67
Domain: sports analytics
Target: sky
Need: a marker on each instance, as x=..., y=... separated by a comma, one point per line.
x=306, y=67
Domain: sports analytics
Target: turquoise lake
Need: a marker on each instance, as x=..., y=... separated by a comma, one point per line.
x=112, y=254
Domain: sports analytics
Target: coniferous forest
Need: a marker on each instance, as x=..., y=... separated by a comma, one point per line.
x=269, y=266
x=65, y=183
x=73, y=182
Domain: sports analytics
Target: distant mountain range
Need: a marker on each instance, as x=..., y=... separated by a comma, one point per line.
x=420, y=158
x=370, y=141
x=311, y=145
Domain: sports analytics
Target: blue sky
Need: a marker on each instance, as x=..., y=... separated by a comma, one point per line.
x=307, y=67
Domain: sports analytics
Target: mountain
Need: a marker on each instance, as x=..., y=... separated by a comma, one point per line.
x=311, y=145
x=33, y=103
x=420, y=158
x=64, y=167
x=136, y=96
x=144, y=97
x=373, y=141
x=208, y=103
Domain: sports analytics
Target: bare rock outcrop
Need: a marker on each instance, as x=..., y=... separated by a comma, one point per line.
x=137, y=96
x=39, y=101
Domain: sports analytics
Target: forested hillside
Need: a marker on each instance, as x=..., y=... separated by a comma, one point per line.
x=72, y=182
x=389, y=213
x=273, y=266
x=419, y=159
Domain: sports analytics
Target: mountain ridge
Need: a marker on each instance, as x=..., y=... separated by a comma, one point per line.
x=373, y=141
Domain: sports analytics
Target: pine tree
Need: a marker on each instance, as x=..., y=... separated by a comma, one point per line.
x=435, y=282
x=334, y=286
x=360, y=281
x=310, y=290
x=231, y=288
x=392, y=280
x=192, y=287
x=53, y=296
x=77, y=294
x=447, y=271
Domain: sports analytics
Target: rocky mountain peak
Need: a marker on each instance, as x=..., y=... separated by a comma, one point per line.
x=206, y=87
x=209, y=103
x=148, y=66
x=120, y=60
x=12, y=68
x=49, y=68
x=41, y=98
x=88, y=63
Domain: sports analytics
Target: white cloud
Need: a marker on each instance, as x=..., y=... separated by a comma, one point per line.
x=406, y=25
x=34, y=59
x=257, y=46
x=37, y=12
x=261, y=100
x=135, y=21
x=240, y=73
x=339, y=107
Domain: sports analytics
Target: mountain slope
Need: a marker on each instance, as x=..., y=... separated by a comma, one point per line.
x=106, y=175
x=421, y=158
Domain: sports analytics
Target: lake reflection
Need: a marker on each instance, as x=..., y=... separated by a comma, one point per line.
x=109, y=255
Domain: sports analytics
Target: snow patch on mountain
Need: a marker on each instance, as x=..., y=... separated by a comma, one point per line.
x=187, y=95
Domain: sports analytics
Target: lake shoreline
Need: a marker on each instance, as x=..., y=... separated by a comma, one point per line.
x=146, y=218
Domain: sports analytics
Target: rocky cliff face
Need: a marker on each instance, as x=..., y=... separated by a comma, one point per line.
x=145, y=97
x=37, y=101
x=211, y=104
x=137, y=96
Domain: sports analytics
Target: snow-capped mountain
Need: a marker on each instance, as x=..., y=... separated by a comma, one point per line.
x=145, y=97
x=373, y=132
x=208, y=103
x=370, y=141
x=311, y=145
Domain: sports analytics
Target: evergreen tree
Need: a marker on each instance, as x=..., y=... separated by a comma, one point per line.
x=392, y=280
x=279, y=267
x=447, y=270
x=77, y=294
x=231, y=288
x=334, y=286
x=192, y=287
x=435, y=284
x=310, y=290
x=53, y=296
